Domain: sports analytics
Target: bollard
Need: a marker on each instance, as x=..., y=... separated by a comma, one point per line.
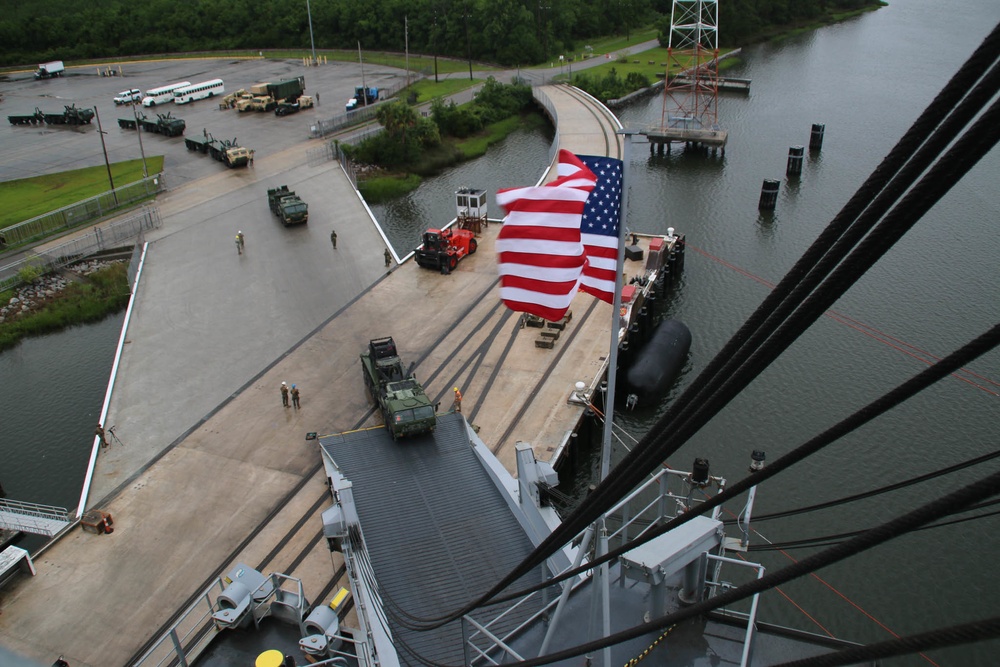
x=816, y=140
x=768, y=195
x=794, y=167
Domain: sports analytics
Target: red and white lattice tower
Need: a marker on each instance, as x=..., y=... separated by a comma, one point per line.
x=691, y=92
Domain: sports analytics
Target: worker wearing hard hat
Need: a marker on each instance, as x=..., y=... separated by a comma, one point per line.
x=457, y=407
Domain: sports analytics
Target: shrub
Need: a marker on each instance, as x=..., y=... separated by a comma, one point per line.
x=31, y=272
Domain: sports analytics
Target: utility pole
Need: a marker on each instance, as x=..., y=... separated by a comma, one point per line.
x=468, y=41
x=104, y=147
x=406, y=43
x=311, y=42
x=138, y=133
x=364, y=93
x=435, y=45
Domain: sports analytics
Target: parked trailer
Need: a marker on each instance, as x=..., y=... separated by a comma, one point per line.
x=69, y=116
x=198, y=143
x=33, y=119
x=131, y=123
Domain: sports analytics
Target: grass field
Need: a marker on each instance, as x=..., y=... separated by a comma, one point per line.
x=25, y=198
x=427, y=89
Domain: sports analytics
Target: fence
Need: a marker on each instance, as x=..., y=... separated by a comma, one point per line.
x=112, y=235
x=81, y=213
x=349, y=119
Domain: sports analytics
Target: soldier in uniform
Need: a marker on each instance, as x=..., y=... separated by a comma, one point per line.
x=99, y=432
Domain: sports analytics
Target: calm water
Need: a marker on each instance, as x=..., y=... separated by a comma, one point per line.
x=51, y=396
x=866, y=80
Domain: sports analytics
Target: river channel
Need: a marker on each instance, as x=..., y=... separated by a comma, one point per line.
x=866, y=80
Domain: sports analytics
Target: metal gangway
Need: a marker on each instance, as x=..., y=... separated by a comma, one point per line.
x=32, y=517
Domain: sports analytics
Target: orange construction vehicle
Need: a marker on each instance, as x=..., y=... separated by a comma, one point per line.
x=443, y=248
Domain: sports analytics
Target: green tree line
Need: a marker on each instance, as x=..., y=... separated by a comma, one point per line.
x=507, y=32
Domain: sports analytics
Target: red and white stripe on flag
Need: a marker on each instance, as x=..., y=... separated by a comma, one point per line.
x=539, y=250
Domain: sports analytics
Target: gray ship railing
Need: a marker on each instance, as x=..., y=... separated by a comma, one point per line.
x=189, y=635
x=659, y=504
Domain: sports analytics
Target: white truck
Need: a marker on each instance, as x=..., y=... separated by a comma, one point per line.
x=128, y=96
x=49, y=70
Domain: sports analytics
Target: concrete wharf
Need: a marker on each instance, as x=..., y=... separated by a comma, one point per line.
x=213, y=470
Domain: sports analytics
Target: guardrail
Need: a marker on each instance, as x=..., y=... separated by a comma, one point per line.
x=32, y=517
x=112, y=235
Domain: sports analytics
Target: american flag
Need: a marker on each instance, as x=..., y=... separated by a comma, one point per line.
x=599, y=229
x=540, y=251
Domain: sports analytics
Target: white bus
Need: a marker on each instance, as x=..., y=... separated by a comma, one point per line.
x=162, y=95
x=198, y=91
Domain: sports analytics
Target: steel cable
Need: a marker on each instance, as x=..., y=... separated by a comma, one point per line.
x=954, y=635
x=654, y=448
x=628, y=473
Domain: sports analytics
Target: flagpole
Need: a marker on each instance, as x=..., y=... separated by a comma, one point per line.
x=603, y=576
x=609, y=406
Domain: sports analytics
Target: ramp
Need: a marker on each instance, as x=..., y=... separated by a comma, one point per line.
x=32, y=517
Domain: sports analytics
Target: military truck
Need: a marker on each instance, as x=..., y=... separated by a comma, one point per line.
x=287, y=205
x=164, y=124
x=406, y=409
x=228, y=152
x=286, y=108
x=256, y=103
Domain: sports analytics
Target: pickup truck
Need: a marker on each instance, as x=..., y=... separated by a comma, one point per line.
x=128, y=96
x=287, y=206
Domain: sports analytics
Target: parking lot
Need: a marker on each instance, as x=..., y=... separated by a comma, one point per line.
x=42, y=149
